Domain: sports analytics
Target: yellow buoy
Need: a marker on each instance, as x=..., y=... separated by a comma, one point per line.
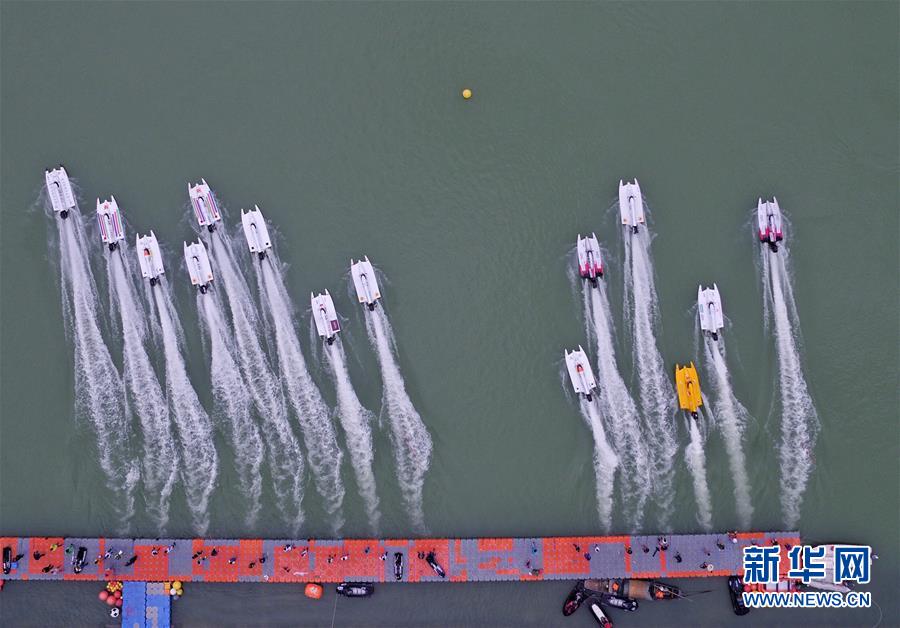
x=176, y=585
x=467, y=93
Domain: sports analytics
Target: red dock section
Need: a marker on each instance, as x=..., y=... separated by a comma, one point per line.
x=373, y=560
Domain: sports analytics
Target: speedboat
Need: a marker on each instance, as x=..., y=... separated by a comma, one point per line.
x=7, y=560
x=256, y=232
x=688, y=385
x=149, y=257
x=431, y=559
x=575, y=599
x=635, y=589
x=204, y=203
x=365, y=282
x=59, y=189
x=768, y=217
x=600, y=616
x=736, y=593
x=709, y=305
x=327, y=323
x=827, y=582
x=198, y=265
x=398, y=566
x=616, y=601
x=580, y=373
x=110, y=221
x=631, y=204
x=355, y=589
x=590, y=266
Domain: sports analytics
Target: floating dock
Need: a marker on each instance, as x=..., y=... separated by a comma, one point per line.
x=372, y=560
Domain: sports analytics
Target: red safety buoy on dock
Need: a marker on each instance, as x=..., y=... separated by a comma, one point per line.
x=103, y=595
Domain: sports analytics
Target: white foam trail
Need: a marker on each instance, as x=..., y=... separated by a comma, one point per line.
x=799, y=419
x=696, y=462
x=657, y=398
x=192, y=424
x=233, y=402
x=409, y=436
x=99, y=391
x=159, y=460
x=617, y=406
x=731, y=418
x=605, y=463
x=356, y=422
x=284, y=453
x=324, y=454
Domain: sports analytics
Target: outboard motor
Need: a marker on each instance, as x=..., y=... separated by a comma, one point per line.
x=211, y=227
x=64, y=214
x=153, y=281
x=715, y=335
x=113, y=246
x=204, y=288
x=262, y=255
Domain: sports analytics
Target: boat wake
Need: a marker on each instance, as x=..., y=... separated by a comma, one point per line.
x=284, y=454
x=617, y=406
x=731, y=418
x=356, y=422
x=695, y=457
x=195, y=433
x=605, y=463
x=99, y=391
x=656, y=393
x=325, y=456
x=159, y=460
x=233, y=402
x=411, y=441
x=799, y=419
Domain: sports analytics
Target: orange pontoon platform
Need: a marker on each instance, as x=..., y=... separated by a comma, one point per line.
x=372, y=560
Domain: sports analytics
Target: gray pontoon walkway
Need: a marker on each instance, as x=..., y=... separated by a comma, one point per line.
x=372, y=560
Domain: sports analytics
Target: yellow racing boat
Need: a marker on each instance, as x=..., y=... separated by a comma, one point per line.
x=688, y=385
